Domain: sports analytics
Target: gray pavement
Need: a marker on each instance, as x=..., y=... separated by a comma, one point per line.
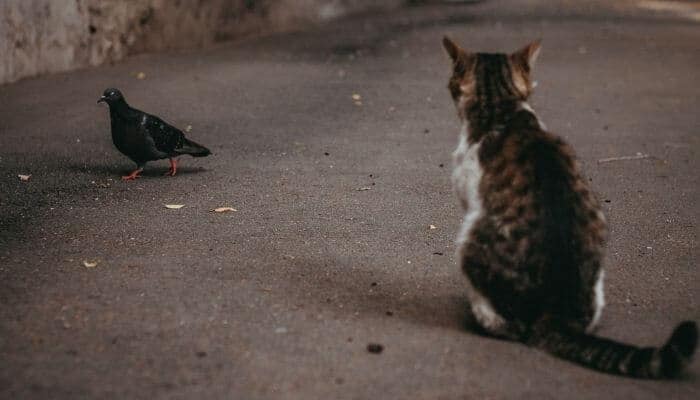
x=280, y=299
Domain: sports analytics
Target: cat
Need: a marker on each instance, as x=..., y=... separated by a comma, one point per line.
x=532, y=236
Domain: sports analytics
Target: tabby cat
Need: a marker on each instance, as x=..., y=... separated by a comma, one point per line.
x=532, y=237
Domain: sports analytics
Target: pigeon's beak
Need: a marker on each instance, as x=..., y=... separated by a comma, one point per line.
x=101, y=99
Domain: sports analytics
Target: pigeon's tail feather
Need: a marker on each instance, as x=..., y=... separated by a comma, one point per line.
x=194, y=149
x=618, y=358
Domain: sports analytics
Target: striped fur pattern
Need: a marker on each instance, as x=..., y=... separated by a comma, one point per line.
x=531, y=241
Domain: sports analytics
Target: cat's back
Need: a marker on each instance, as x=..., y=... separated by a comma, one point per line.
x=532, y=187
x=523, y=159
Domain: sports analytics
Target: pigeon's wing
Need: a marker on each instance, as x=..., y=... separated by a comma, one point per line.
x=166, y=137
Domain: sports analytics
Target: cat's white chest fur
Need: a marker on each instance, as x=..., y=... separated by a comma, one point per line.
x=466, y=178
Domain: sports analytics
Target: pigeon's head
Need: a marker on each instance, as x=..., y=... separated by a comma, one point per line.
x=111, y=96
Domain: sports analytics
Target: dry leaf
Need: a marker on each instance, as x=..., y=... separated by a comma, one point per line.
x=356, y=97
x=433, y=227
x=188, y=128
x=141, y=75
x=89, y=264
x=638, y=156
x=362, y=189
x=174, y=206
x=24, y=178
x=224, y=209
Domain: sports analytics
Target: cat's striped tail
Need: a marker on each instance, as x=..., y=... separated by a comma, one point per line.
x=608, y=356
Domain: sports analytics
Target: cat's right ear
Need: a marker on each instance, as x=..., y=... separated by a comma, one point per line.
x=528, y=54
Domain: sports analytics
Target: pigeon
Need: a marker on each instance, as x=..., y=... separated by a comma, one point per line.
x=144, y=137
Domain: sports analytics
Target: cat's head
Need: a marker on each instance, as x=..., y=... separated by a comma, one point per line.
x=487, y=77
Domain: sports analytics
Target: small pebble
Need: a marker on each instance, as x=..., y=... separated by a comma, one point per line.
x=375, y=348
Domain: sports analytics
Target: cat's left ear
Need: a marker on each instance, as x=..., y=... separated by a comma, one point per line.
x=461, y=60
x=528, y=54
x=452, y=49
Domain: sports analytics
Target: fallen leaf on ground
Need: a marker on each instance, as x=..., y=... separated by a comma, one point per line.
x=433, y=227
x=24, y=178
x=356, y=97
x=638, y=156
x=223, y=209
x=188, y=128
x=362, y=189
x=141, y=75
x=89, y=264
x=174, y=206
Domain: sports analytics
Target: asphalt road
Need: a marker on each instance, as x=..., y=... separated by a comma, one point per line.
x=330, y=248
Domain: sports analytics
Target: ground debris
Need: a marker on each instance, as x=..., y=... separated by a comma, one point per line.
x=174, y=206
x=375, y=348
x=24, y=178
x=89, y=264
x=223, y=209
x=638, y=156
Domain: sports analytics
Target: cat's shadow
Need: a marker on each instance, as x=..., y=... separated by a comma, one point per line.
x=380, y=295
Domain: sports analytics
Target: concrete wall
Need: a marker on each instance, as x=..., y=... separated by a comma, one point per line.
x=44, y=36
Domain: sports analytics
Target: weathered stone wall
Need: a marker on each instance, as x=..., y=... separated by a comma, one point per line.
x=43, y=36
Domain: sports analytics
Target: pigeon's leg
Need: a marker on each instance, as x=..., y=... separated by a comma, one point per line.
x=132, y=176
x=173, y=167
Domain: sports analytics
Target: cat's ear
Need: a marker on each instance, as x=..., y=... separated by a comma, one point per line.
x=454, y=51
x=461, y=60
x=528, y=54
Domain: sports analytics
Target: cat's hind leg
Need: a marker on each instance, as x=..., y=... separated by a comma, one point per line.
x=484, y=313
x=475, y=267
x=598, y=301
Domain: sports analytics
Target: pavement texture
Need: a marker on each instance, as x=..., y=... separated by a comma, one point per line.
x=330, y=248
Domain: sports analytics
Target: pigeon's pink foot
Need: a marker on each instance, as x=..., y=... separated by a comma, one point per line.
x=173, y=167
x=132, y=176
